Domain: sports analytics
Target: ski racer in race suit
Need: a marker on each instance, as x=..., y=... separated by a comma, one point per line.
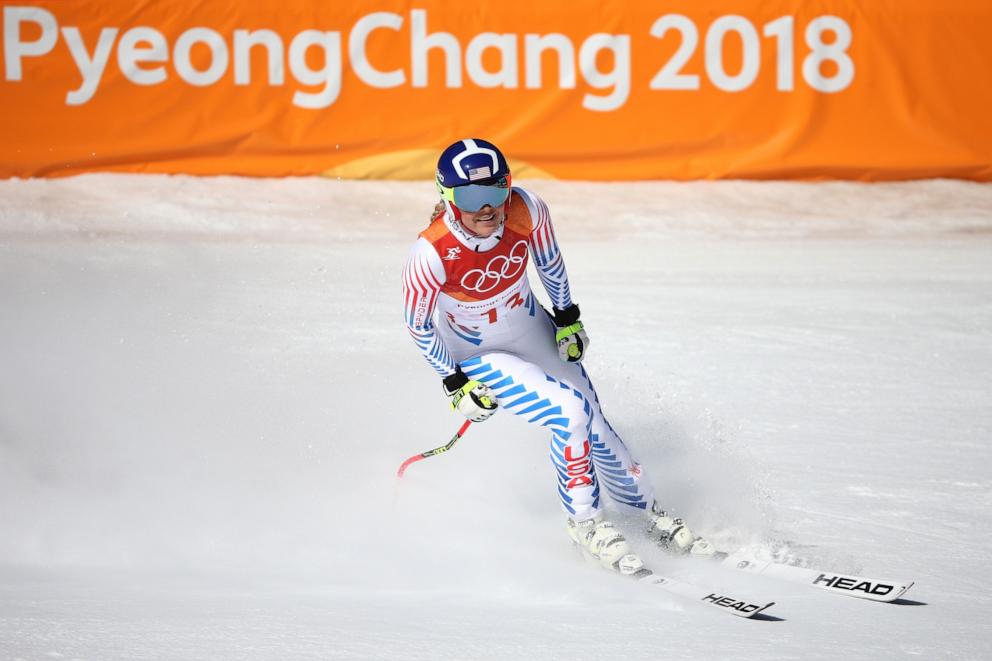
x=470, y=309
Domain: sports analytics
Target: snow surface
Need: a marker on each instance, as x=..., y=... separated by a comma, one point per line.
x=206, y=389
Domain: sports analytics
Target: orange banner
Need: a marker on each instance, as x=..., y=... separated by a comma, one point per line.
x=577, y=89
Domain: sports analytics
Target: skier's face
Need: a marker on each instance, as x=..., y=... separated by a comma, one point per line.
x=484, y=222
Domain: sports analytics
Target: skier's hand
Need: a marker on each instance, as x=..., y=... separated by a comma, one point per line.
x=571, y=335
x=473, y=399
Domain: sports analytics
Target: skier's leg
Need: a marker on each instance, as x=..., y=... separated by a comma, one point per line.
x=527, y=391
x=612, y=465
x=624, y=479
x=626, y=482
x=619, y=473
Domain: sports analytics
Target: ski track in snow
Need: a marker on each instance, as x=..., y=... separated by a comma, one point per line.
x=207, y=388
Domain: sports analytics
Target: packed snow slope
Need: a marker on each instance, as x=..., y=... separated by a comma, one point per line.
x=206, y=389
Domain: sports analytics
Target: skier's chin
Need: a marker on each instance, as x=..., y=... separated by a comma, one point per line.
x=484, y=225
x=486, y=230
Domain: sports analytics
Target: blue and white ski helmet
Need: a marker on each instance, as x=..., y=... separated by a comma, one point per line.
x=472, y=173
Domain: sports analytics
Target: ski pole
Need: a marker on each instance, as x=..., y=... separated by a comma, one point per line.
x=430, y=453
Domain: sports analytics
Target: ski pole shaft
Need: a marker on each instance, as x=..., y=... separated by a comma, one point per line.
x=430, y=453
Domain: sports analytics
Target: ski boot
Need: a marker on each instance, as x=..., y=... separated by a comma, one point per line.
x=674, y=536
x=604, y=543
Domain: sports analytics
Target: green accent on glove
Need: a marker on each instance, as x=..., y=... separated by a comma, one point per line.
x=565, y=331
x=485, y=401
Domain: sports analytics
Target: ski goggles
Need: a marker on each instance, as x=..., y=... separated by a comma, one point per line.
x=473, y=197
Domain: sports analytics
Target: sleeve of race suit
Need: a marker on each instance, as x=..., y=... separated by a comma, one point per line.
x=423, y=277
x=544, y=249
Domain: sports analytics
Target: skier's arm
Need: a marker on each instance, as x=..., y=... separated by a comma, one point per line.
x=423, y=277
x=544, y=249
x=571, y=337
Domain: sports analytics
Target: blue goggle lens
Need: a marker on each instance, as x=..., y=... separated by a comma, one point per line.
x=473, y=197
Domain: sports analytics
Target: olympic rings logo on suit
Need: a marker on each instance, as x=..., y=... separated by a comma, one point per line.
x=498, y=269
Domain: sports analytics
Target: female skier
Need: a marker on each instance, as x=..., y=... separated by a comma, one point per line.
x=469, y=307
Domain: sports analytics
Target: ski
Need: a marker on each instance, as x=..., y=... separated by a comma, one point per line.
x=842, y=584
x=727, y=603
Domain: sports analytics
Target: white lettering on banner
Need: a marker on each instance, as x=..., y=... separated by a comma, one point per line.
x=143, y=55
x=669, y=78
x=329, y=76
x=356, y=50
x=421, y=43
x=618, y=78
x=244, y=41
x=534, y=45
x=781, y=29
x=834, y=52
x=506, y=44
x=714, y=53
x=90, y=67
x=14, y=49
x=218, y=56
x=129, y=55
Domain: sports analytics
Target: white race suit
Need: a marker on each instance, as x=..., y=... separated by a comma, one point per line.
x=468, y=302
